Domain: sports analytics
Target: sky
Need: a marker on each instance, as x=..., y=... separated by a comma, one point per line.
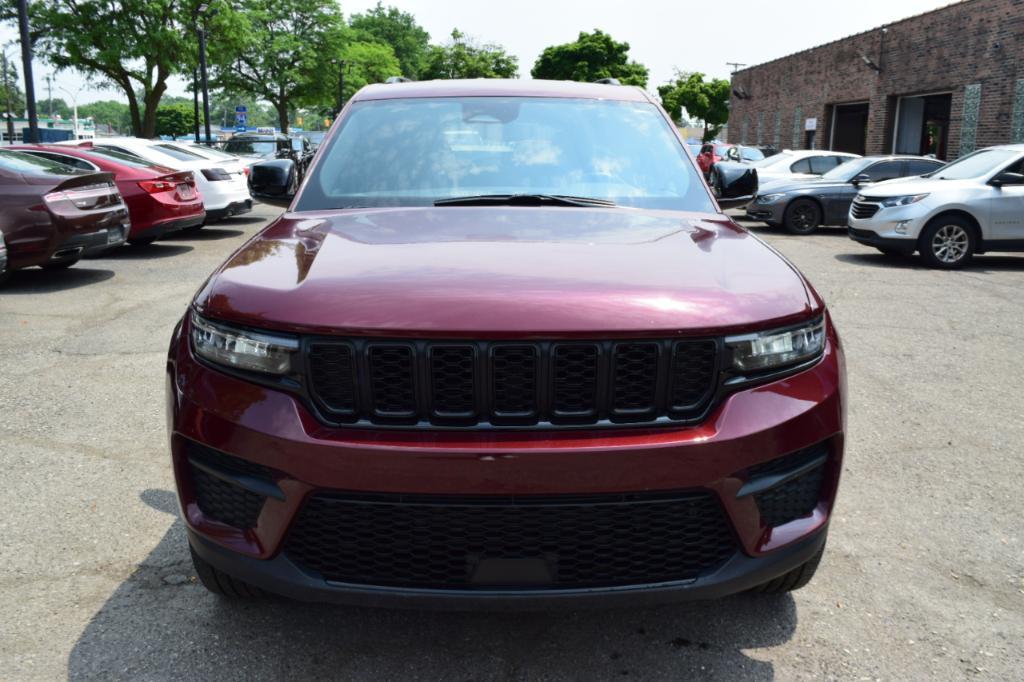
x=664, y=36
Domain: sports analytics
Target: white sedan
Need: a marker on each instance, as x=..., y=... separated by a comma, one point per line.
x=804, y=163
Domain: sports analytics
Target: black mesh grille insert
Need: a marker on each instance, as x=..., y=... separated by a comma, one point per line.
x=447, y=542
x=693, y=373
x=507, y=383
x=575, y=380
x=334, y=381
x=514, y=377
x=636, y=377
x=392, y=380
x=795, y=498
x=225, y=502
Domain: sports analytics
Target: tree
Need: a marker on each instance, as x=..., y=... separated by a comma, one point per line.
x=367, y=63
x=463, y=57
x=13, y=91
x=390, y=26
x=706, y=101
x=592, y=57
x=136, y=45
x=108, y=112
x=175, y=119
x=283, y=51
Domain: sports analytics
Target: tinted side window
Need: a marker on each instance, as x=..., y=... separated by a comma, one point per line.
x=801, y=166
x=920, y=167
x=885, y=170
x=822, y=164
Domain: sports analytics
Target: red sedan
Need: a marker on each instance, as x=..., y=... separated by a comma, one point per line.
x=160, y=200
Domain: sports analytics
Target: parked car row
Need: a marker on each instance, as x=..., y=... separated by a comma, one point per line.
x=905, y=204
x=68, y=200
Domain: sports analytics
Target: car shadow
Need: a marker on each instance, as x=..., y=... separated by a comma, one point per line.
x=208, y=233
x=242, y=220
x=159, y=623
x=38, y=281
x=146, y=251
x=761, y=228
x=982, y=264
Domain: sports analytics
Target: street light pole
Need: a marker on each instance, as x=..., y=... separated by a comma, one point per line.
x=74, y=104
x=195, y=101
x=26, y=60
x=201, y=30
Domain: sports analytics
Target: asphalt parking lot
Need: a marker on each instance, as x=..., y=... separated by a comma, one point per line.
x=924, y=576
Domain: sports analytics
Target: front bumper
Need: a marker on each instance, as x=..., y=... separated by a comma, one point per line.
x=768, y=213
x=869, y=238
x=275, y=430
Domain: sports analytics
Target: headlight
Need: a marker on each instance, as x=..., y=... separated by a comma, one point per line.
x=777, y=348
x=769, y=198
x=892, y=202
x=242, y=349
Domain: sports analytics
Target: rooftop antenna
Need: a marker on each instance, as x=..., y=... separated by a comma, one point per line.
x=735, y=66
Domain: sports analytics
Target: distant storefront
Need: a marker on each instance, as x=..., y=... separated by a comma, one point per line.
x=945, y=83
x=50, y=130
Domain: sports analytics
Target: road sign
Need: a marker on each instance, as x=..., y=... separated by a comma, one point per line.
x=240, y=129
x=241, y=109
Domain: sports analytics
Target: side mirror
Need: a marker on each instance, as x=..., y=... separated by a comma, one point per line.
x=862, y=179
x=1007, y=178
x=274, y=182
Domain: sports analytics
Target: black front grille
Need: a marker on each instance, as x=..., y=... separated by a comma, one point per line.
x=219, y=499
x=797, y=497
x=470, y=383
x=864, y=207
x=479, y=542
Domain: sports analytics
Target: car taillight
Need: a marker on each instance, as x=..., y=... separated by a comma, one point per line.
x=157, y=186
x=247, y=170
x=82, y=198
x=215, y=174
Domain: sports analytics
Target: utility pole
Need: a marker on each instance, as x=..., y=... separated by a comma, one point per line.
x=195, y=100
x=26, y=61
x=342, y=65
x=7, y=92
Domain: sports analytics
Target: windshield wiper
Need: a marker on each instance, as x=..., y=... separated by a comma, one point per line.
x=523, y=200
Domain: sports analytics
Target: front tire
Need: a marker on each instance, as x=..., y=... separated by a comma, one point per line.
x=947, y=243
x=219, y=582
x=795, y=579
x=802, y=217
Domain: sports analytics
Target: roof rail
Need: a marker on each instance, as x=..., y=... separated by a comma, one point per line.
x=608, y=81
x=398, y=79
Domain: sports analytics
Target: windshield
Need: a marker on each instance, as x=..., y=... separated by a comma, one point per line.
x=751, y=154
x=976, y=165
x=847, y=171
x=179, y=153
x=258, y=147
x=413, y=152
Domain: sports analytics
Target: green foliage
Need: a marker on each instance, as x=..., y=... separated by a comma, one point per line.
x=390, y=26
x=463, y=57
x=175, y=119
x=591, y=57
x=12, y=90
x=130, y=44
x=367, y=63
x=706, y=101
x=283, y=51
x=108, y=112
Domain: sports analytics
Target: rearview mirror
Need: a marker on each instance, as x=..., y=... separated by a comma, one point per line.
x=1007, y=178
x=273, y=182
x=861, y=179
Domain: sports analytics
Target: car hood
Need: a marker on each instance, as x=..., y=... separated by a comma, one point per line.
x=765, y=176
x=914, y=185
x=512, y=270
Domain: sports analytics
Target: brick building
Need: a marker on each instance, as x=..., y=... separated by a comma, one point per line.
x=945, y=82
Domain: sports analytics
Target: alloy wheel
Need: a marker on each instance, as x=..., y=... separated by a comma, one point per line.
x=950, y=243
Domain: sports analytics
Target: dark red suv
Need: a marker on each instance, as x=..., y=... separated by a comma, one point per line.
x=502, y=349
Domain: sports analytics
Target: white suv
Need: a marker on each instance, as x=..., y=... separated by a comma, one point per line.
x=972, y=205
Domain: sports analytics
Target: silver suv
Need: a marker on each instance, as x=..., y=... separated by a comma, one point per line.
x=972, y=205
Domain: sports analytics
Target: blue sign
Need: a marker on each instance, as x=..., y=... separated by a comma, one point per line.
x=241, y=109
x=240, y=129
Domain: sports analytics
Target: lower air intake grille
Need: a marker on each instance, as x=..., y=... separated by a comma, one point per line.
x=225, y=502
x=523, y=542
x=795, y=498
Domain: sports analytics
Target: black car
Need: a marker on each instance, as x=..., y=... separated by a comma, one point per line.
x=269, y=146
x=802, y=205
